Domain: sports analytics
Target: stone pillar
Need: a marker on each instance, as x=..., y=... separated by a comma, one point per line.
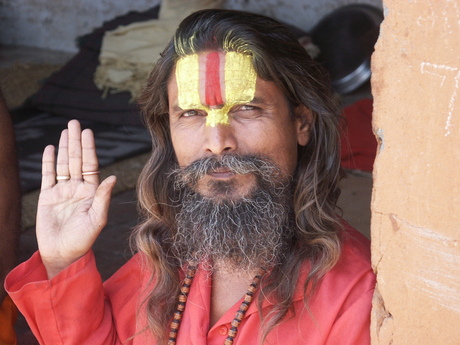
x=415, y=225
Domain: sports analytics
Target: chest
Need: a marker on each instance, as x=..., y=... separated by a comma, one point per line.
x=226, y=294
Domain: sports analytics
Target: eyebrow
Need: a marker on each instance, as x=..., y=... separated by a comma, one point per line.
x=176, y=107
x=256, y=100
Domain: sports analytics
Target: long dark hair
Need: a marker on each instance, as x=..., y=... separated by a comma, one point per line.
x=278, y=57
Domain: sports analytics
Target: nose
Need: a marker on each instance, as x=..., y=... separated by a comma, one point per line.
x=220, y=139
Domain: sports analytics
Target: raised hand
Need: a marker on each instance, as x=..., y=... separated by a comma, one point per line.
x=73, y=206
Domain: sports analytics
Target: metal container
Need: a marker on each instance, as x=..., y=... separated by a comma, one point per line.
x=346, y=38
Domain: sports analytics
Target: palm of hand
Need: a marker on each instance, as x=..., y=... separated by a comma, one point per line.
x=71, y=212
x=65, y=220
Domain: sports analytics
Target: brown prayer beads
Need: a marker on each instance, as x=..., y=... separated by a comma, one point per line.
x=232, y=332
x=184, y=291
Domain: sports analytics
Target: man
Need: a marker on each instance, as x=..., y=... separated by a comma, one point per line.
x=241, y=243
x=10, y=218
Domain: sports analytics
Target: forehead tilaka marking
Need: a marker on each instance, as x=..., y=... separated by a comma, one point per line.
x=215, y=82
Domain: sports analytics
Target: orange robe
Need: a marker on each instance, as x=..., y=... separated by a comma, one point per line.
x=75, y=307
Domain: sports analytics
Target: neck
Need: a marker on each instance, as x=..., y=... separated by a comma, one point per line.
x=228, y=287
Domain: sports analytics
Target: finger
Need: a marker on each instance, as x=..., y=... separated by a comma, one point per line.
x=74, y=149
x=62, y=165
x=48, y=170
x=90, y=164
x=101, y=202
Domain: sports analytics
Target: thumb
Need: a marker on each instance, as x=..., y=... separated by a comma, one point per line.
x=101, y=201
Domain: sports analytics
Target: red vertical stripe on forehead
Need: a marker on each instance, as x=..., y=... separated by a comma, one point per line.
x=213, y=93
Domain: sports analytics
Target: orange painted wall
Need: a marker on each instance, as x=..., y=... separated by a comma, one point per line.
x=415, y=226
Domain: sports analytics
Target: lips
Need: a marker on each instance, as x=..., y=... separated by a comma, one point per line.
x=221, y=173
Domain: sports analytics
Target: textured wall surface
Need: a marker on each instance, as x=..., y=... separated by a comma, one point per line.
x=54, y=24
x=416, y=199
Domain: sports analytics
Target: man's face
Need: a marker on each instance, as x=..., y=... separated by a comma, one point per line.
x=219, y=106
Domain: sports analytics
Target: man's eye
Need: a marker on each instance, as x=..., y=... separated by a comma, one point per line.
x=245, y=111
x=246, y=107
x=190, y=113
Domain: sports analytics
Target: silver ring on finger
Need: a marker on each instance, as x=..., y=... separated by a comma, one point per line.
x=88, y=173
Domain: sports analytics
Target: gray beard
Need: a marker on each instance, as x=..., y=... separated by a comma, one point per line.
x=251, y=232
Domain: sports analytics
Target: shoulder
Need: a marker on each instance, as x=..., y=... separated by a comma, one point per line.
x=355, y=250
x=352, y=276
x=352, y=279
x=354, y=265
x=354, y=260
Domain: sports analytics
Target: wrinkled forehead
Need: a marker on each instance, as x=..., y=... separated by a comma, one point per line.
x=215, y=80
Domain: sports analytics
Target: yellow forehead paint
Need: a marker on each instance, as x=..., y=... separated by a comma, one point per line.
x=215, y=82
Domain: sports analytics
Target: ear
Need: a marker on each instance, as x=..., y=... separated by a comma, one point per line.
x=304, y=118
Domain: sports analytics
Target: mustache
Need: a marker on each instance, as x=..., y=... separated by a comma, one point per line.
x=261, y=166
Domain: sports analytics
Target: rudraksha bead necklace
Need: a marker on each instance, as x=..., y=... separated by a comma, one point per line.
x=185, y=289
